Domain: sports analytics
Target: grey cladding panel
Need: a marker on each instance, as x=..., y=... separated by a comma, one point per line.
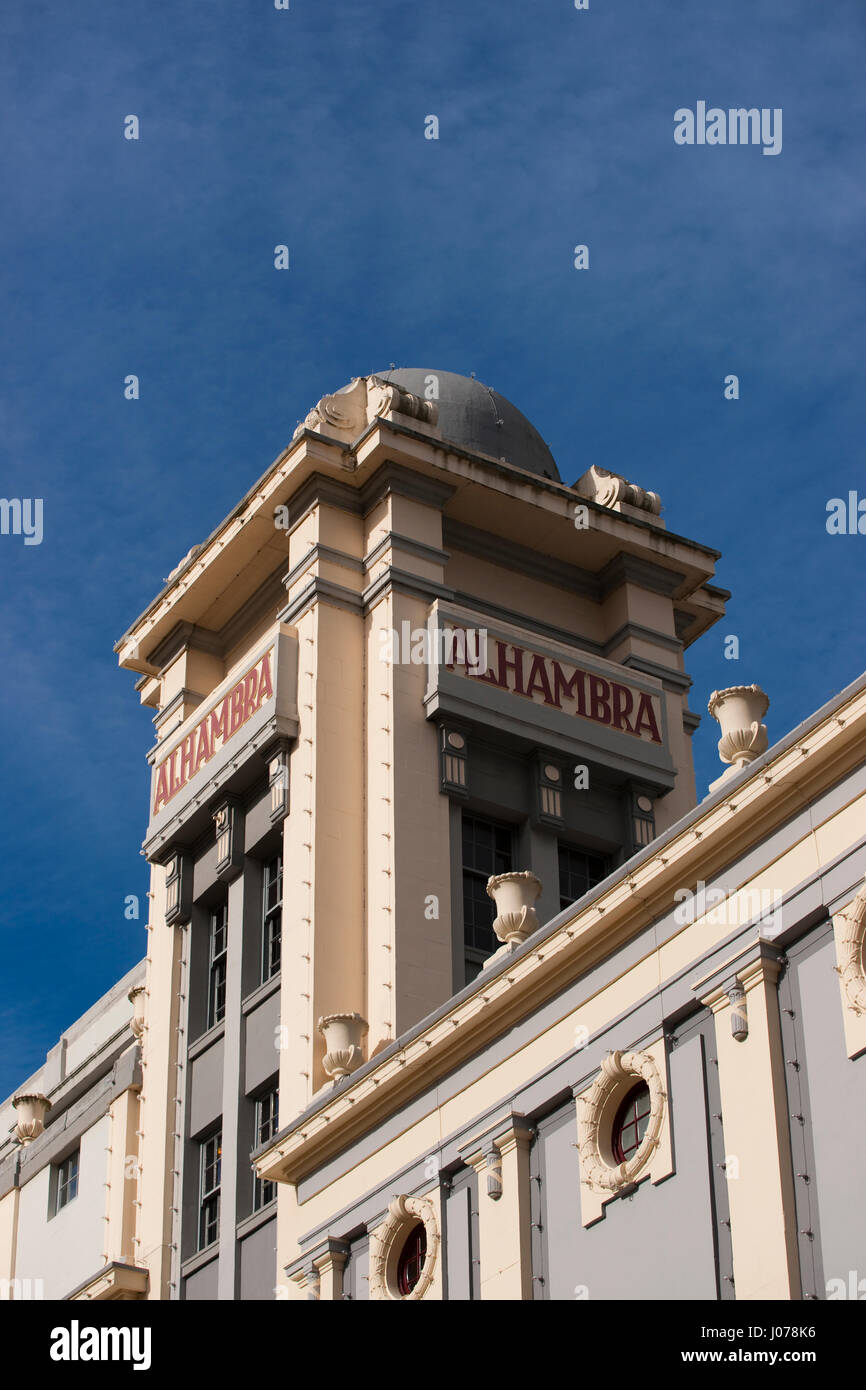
x=262, y=1058
x=206, y=1088
x=258, y=1263
x=461, y=1238
x=659, y=1243
x=356, y=1276
x=829, y=1091
x=203, y=1284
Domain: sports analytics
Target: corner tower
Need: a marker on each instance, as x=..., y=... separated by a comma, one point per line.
x=410, y=658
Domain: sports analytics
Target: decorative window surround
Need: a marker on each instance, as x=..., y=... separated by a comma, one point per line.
x=601, y=1177
x=849, y=930
x=386, y=1244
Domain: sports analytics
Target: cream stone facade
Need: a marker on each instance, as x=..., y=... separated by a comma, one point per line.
x=453, y=988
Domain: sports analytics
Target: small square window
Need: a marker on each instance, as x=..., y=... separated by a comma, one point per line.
x=578, y=872
x=272, y=917
x=66, y=1189
x=218, y=957
x=210, y=1170
x=267, y=1124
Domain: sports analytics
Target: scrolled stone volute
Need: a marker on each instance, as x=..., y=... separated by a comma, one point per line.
x=514, y=896
x=613, y=490
x=30, y=1112
x=347, y=412
x=343, y=1051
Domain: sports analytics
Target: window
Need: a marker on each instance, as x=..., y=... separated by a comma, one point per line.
x=487, y=850
x=211, y=1152
x=67, y=1181
x=411, y=1261
x=578, y=872
x=631, y=1122
x=272, y=917
x=267, y=1123
x=219, y=930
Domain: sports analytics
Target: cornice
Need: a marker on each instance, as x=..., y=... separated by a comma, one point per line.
x=520, y=558
x=714, y=835
x=634, y=569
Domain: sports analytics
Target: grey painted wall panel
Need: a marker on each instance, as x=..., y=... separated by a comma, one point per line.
x=206, y=1088
x=460, y=1237
x=203, y=1284
x=258, y=1263
x=356, y=1277
x=834, y=1090
x=263, y=1058
x=658, y=1243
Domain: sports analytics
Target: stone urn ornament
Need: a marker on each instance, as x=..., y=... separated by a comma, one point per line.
x=342, y=1034
x=739, y=710
x=30, y=1112
x=136, y=998
x=514, y=896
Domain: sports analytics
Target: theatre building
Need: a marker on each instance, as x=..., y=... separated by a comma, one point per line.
x=456, y=987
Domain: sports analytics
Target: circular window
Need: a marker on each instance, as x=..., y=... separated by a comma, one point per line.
x=631, y=1122
x=411, y=1260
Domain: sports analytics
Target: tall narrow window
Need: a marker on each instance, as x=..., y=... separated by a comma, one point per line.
x=211, y=1152
x=267, y=1124
x=219, y=930
x=67, y=1181
x=487, y=849
x=578, y=872
x=272, y=917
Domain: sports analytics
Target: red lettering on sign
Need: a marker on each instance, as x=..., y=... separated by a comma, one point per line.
x=219, y=725
x=185, y=759
x=266, y=690
x=515, y=665
x=562, y=687
x=172, y=774
x=623, y=702
x=251, y=681
x=237, y=699
x=538, y=680
x=646, y=719
x=203, y=750
x=161, y=788
x=599, y=700
x=187, y=750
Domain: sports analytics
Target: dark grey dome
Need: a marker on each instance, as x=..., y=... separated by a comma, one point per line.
x=480, y=419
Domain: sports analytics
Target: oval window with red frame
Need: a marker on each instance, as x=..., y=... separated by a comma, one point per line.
x=411, y=1261
x=631, y=1122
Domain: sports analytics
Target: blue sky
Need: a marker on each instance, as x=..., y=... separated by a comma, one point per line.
x=306, y=127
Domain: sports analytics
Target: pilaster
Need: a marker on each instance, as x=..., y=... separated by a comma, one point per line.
x=500, y=1157
x=743, y=998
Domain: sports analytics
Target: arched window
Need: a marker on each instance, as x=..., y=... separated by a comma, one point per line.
x=631, y=1122
x=411, y=1261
